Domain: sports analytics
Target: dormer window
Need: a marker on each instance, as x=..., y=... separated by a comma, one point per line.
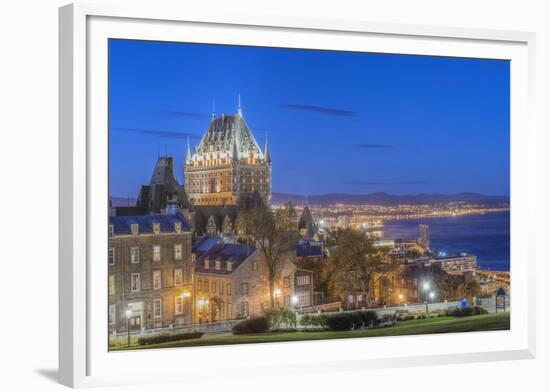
x=229, y=266
x=135, y=229
x=156, y=228
x=177, y=227
x=206, y=264
x=218, y=264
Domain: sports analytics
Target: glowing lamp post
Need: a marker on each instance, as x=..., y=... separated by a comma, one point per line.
x=400, y=299
x=128, y=316
x=426, y=288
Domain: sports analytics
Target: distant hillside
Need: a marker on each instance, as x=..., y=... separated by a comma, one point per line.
x=387, y=199
x=356, y=199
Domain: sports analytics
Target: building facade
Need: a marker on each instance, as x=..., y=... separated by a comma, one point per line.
x=231, y=281
x=150, y=272
x=227, y=166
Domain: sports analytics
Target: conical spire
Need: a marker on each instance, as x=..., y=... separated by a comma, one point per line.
x=239, y=108
x=188, y=158
x=267, y=156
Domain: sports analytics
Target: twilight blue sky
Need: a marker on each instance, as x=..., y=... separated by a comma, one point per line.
x=337, y=122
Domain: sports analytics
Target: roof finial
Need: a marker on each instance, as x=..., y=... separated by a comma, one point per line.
x=213, y=109
x=239, y=108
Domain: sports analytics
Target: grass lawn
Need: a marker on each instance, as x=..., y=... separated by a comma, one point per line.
x=499, y=321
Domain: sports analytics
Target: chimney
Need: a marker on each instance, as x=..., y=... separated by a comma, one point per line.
x=177, y=227
x=229, y=266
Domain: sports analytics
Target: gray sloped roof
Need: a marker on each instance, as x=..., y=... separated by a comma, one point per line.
x=122, y=224
x=227, y=130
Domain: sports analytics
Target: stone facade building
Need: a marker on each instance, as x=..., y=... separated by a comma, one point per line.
x=231, y=281
x=150, y=271
x=228, y=167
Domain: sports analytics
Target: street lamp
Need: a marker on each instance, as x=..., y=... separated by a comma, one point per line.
x=400, y=298
x=426, y=287
x=128, y=316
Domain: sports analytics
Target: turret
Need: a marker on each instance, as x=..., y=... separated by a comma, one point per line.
x=188, y=158
x=267, y=156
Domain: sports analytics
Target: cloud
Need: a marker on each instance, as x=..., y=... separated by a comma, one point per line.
x=159, y=133
x=397, y=183
x=375, y=146
x=320, y=110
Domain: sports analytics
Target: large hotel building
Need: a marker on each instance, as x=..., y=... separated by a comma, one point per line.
x=228, y=164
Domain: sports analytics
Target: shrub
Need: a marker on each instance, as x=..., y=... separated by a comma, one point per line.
x=480, y=311
x=276, y=317
x=369, y=316
x=461, y=312
x=339, y=322
x=160, y=338
x=251, y=326
x=306, y=320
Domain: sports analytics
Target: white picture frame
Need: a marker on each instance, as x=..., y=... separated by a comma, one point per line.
x=84, y=360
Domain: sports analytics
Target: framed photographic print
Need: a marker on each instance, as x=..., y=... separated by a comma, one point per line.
x=245, y=190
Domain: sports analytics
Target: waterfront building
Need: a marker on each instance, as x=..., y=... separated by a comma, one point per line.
x=150, y=271
x=424, y=239
x=457, y=264
x=228, y=167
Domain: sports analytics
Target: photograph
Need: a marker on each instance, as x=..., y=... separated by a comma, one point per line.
x=271, y=194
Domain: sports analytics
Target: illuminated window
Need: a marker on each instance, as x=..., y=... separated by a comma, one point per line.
x=178, y=277
x=228, y=289
x=111, y=256
x=134, y=254
x=244, y=288
x=135, y=282
x=112, y=284
x=157, y=282
x=156, y=228
x=112, y=314
x=156, y=253
x=157, y=308
x=244, y=309
x=179, y=305
x=177, y=252
x=302, y=280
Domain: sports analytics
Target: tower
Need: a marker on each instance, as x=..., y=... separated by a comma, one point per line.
x=424, y=239
x=228, y=166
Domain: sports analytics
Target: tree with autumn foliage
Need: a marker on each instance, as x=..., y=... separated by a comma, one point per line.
x=269, y=232
x=355, y=263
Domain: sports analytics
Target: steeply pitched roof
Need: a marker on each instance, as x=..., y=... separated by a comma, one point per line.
x=306, y=222
x=217, y=250
x=122, y=224
x=309, y=248
x=227, y=130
